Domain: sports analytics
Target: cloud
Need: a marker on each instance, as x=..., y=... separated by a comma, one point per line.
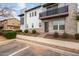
x=21, y=5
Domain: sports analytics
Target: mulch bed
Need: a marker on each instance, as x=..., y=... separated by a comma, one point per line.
x=29, y=34
x=50, y=36
x=70, y=39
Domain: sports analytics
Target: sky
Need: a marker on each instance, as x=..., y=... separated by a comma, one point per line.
x=18, y=6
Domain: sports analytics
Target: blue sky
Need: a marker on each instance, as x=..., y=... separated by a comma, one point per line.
x=18, y=6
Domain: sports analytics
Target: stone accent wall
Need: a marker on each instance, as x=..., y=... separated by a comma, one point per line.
x=70, y=22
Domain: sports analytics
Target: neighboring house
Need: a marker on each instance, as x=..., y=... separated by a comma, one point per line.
x=51, y=17
x=10, y=24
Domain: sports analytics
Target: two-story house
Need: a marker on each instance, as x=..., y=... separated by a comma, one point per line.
x=10, y=24
x=51, y=17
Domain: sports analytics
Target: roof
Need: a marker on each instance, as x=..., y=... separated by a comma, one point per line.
x=8, y=19
x=33, y=8
x=21, y=15
x=47, y=4
x=44, y=5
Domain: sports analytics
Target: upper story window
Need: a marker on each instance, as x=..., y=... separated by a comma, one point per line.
x=32, y=14
x=21, y=20
x=35, y=13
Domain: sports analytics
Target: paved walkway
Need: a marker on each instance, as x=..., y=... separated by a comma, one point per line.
x=71, y=45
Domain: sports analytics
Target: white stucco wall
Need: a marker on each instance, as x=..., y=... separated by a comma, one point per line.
x=34, y=19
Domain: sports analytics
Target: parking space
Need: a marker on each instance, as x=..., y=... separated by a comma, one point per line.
x=10, y=47
x=27, y=48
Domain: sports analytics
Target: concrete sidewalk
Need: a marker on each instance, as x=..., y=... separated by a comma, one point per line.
x=67, y=44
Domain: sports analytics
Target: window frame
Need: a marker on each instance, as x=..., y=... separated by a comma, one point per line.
x=59, y=24
x=35, y=13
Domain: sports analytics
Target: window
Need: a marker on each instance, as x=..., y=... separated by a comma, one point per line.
x=58, y=25
x=39, y=24
x=32, y=25
x=30, y=14
x=61, y=27
x=22, y=20
x=55, y=27
x=35, y=13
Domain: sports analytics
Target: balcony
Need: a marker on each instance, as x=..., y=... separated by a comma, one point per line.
x=62, y=11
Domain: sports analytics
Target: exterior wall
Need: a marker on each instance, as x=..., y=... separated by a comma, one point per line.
x=62, y=4
x=35, y=19
x=51, y=25
x=11, y=24
x=71, y=23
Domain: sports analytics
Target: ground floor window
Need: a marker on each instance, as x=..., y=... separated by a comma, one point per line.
x=32, y=25
x=39, y=24
x=55, y=27
x=58, y=25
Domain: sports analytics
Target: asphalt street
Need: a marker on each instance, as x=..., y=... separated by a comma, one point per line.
x=18, y=48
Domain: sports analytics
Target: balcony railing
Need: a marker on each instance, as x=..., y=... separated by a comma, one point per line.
x=54, y=11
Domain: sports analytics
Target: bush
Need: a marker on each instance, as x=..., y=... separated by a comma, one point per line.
x=33, y=31
x=18, y=30
x=65, y=35
x=10, y=34
x=77, y=36
x=6, y=30
x=26, y=31
x=56, y=35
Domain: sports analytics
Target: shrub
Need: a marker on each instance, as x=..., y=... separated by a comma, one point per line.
x=56, y=35
x=10, y=34
x=6, y=30
x=33, y=31
x=26, y=31
x=65, y=35
x=77, y=36
x=18, y=30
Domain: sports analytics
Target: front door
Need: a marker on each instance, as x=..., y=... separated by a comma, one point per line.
x=46, y=26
